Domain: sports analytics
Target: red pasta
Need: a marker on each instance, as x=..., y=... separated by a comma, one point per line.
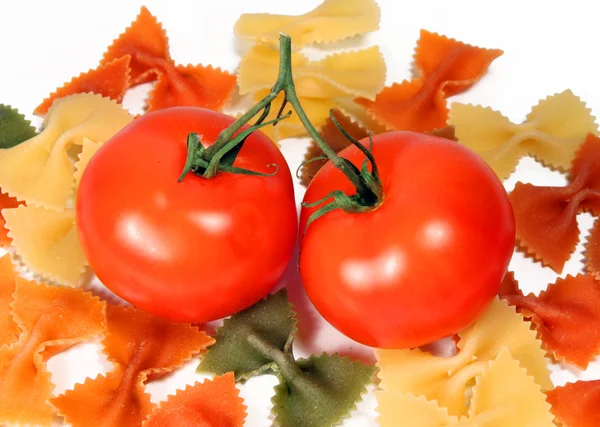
x=110, y=80
x=146, y=42
x=566, y=316
x=445, y=67
x=546, y=217
x=576, y=404
x=142, y=348
x=209, y=404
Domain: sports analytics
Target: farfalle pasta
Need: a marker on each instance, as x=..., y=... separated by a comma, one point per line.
x=546, y=217
x=142, y=348
x=214, y=402
x=356, y=73
x=40, y=170
x=446, y=380
x=146, y=43
x=331, y=21
x=503, y=395
x=576, y=404
x=51, y=319
x=46, y=241
x=445, y=67
x=552, y=132
x=566, y=316
x=110, y=80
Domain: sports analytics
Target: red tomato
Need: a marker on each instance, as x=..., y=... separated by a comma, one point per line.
x=193, y=251
x=427, y=261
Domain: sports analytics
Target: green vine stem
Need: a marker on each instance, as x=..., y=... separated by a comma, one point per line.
x=219, y=157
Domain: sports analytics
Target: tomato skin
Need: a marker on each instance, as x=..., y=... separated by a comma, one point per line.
x=193, y=251
x=424, y=264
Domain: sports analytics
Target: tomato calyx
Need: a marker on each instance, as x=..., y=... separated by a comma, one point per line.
x=219, y=157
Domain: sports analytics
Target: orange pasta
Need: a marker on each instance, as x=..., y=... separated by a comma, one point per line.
x=145, y=36
x=110, y=80
x=9, y=331
x=576, y=404
x=546, y=217
x=51, y=319
x=567, y=318
x=146, y=42
x=209, y=404
x=142, y=348
x=198, y=85
x=445, y=67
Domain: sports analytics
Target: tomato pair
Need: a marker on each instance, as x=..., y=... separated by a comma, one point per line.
x=421, y=266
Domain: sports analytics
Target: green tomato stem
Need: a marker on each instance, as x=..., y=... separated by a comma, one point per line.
x=219, y=157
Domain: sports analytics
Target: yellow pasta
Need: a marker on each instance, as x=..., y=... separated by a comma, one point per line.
x=333, y=20
x=506, y=396
x=46, y=241
x=503, y=395
x=358, y=73
x=552, y=133
x=40, y=170
x=446, y=379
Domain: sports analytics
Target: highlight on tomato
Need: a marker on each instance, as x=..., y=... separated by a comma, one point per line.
x=413, y=247
x=191, y=247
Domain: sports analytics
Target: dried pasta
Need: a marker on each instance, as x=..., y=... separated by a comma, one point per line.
x=142, y=348
x=331, y=21
x=552, y=132
x=446, y=379
x=211, y=403
x=9, y=330
x=189, y=85
x=110, y=80
x=445, y=67
x=546, y=217
x=576, y=404
x=51, y=319
x=146, y=43
x=46, y=241
x=355, y=73
x=566, y=316
x=40, y=170
x=503, y=395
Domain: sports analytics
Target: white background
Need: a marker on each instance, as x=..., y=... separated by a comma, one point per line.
x=549, y=46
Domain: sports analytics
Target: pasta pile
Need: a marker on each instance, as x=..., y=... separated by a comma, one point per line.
x=322, y=84
x=499, y=373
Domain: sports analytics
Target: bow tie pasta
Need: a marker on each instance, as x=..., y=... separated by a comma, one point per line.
x=40, y=170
